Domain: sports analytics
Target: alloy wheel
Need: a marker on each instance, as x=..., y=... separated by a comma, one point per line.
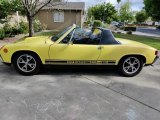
x=131, y=65
x=26, y=63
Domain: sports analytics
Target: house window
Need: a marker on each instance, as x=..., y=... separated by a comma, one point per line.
x=59, y=16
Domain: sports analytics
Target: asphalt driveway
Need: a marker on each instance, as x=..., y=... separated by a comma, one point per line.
x=149, y=31
x=79, y=94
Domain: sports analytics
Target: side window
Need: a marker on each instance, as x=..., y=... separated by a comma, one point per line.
x=87, y=37
x=96, y=36
x=67, y=38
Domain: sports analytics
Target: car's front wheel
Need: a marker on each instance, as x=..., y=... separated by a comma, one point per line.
x=130, y=66
x=27, y=63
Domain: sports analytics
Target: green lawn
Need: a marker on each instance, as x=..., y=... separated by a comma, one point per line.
x=151, y=41
x=51, y=33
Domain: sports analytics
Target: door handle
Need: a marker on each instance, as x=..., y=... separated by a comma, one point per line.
x=100, y=47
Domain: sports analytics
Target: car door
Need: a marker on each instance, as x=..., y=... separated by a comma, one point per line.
x=73, y=53
x=111, y=49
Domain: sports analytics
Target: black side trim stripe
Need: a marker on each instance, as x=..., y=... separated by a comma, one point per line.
x=109, y=62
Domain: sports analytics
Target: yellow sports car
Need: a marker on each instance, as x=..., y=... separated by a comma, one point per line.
x=74, y=46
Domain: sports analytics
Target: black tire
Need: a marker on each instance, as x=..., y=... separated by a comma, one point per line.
x=35, y=66
x=137, y=67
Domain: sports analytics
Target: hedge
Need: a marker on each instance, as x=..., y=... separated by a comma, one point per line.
x=2, y=34
x=130, y=28
x=12, y=30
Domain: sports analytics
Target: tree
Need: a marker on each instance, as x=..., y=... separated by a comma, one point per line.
x=32, y=7
x=3, y=9
x=141, y=16
x=126, y=14
x=152, y=8
x=7, y=7
x=105, y=12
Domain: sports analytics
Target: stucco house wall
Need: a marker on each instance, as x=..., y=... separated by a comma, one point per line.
x=73, y=14
x=70, y=17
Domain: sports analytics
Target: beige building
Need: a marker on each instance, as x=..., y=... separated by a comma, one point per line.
x=62, y=15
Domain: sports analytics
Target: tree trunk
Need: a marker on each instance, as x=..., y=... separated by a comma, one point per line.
x=31, y=27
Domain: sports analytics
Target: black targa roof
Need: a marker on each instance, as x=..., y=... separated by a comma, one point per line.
x=107, y=37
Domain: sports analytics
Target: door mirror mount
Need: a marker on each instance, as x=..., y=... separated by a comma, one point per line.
x=71, y=42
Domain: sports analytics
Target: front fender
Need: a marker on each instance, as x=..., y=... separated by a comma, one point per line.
x=40, y=50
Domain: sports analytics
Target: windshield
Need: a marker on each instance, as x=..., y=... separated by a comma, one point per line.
x=56, y=37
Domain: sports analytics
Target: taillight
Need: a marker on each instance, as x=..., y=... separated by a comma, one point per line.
x=156, y=53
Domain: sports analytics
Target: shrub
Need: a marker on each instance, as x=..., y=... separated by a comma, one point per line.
x=10, y=31
x=2, y=21
x=16, y=30
x=119, y=32
x=129, y=32
x=7, y=29
x=44, y=26
x=23, y=27
x=2, y=34
x=97, y=23
x=113, y=32
x=38, y=26
x=129, y=28
x=85, y=24
x=105, y=25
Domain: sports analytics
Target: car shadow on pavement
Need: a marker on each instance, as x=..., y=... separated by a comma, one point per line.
x=80, y=70
x=66, y=70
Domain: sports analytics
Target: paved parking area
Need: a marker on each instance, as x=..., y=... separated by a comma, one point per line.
x=148, y=32
x=79, y=94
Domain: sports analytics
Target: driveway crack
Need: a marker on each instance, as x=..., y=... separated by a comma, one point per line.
x=120, y=93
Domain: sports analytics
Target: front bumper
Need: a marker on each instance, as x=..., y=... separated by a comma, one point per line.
x=1, y=59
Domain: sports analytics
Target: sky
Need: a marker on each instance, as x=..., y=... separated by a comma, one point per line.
x=136, y=4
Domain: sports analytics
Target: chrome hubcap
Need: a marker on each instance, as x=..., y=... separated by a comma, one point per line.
x=131, y=65
x=26, y=63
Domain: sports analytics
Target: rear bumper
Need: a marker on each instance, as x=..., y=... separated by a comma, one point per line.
x=1, y=59
x=154, y=62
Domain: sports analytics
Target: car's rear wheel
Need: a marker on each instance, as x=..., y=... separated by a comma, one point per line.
x=27, y=63
x=130, y=66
